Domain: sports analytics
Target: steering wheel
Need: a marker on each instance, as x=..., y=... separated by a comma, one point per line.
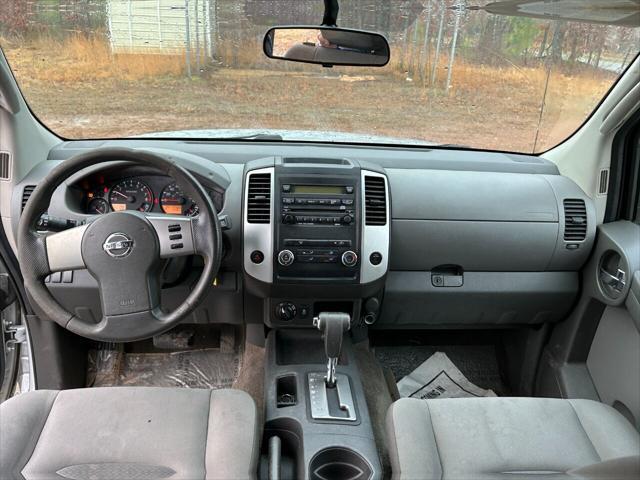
x=122, y=250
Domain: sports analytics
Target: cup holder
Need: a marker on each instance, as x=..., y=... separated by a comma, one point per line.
x=339, y=464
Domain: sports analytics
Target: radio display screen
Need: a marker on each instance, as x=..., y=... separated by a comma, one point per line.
x=318, y=189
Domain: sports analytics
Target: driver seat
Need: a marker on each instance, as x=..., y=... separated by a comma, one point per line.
x=129, y=432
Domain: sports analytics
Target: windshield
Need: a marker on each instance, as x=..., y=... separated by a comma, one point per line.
x=458, y=74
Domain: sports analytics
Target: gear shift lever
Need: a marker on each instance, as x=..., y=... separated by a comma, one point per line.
x=332, y=325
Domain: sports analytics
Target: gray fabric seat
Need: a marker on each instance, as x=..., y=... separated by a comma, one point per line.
x=510, y=438
x=129, y=432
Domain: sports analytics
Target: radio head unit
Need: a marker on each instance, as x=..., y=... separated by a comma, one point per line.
x=317, y=233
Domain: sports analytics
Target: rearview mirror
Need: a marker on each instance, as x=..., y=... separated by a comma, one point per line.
x=327, y=46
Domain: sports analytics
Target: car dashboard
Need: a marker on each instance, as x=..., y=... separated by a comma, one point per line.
x=395, y=237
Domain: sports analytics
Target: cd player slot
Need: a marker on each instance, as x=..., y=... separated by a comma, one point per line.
x=315, y=209
x=303, y=242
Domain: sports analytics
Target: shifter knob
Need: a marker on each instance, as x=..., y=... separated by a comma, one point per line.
x=332, y=325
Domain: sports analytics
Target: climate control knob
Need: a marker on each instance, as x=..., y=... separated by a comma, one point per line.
x=286, y=258
x=349, y=258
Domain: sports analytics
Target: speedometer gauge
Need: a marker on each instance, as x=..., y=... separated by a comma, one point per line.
x=175, y=202
x=131, y=194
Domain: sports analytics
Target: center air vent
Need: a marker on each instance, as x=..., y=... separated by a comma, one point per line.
x=26, y=193
x=375, y=199
x=575, y=220
x=259, y=198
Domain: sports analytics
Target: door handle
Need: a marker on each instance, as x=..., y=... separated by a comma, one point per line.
x=617, y=281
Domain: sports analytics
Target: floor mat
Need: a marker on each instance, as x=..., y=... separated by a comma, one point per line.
x=438, y=377
x=206, y=368
x=478, y=363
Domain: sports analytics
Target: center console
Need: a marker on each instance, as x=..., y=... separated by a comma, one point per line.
x=317, y=420
x=316, y=231
x=315, y=255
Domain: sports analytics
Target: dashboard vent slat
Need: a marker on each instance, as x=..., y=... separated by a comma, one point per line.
x=575, y=220
x=5, y=166
x=375, y=199
x=259, y=198
x=26, y=193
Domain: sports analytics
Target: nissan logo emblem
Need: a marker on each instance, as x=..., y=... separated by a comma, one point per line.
x=118, y=245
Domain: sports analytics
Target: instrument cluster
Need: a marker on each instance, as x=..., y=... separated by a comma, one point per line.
x=145, y=193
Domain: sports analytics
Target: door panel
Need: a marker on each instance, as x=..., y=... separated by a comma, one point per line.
x=613, y=278
x=614, y=361
x=633, y=299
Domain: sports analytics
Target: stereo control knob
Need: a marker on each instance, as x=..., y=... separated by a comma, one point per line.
x=349, y=258
x=347, y=219
x=289, y=219
x=286, y=311
x=286, y=258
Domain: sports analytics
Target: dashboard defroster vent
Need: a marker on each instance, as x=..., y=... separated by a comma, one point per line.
x=259, y=198
x=575, y=220
x=26, y=193
x=375, y=197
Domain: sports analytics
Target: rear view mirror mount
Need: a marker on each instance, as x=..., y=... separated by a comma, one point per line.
x=327, y=46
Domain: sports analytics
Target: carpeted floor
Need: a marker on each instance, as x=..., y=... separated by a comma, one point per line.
x=208, y=368
x=378, y=398
x=479, y=363
x=190, y=356
x=251, y=375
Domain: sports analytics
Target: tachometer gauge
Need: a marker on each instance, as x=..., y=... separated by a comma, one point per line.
x=174, y=201
x=97, y=206
x=131, y=194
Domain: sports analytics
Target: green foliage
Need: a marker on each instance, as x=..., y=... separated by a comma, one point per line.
x=520, y=36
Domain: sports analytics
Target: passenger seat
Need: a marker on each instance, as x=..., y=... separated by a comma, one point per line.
x=510, y=438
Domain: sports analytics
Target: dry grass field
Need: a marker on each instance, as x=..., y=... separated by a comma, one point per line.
x=79, y=89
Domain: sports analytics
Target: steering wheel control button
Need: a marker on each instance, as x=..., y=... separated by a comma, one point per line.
x=375, y=258
x=286, y=258
x=174, y=228
x=118, y=245
x=349, y=258
x=175, y=236
x=257, y=257
x=176, y=246
x=55, y=277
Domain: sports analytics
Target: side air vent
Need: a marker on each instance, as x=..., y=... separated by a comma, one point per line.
x=5, y=166
x=26, y=193
x=375, y=198
x=259, y=198
x=575, y=220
